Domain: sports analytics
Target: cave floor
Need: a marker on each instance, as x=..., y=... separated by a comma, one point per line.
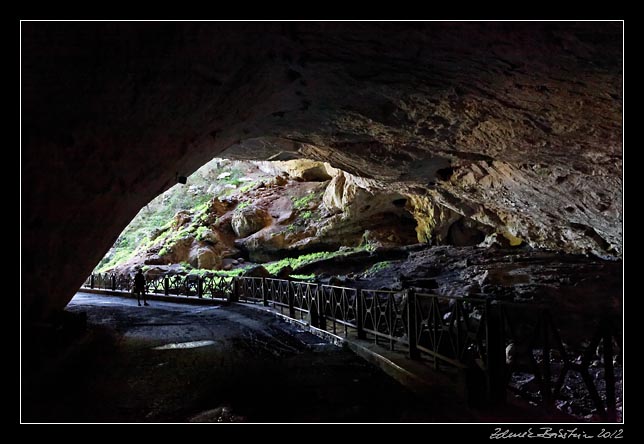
x=175, y=363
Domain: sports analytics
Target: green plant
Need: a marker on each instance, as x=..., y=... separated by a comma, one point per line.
x=235, y=272
x=378, y=266
x=242, y=205
x=247, y=187
x=304, y=201
x=303, y=277
x=201, y=232
x=291, y=229
x=297, y=262
x=370, y=247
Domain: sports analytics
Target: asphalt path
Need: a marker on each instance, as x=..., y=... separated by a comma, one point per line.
x=170, y=362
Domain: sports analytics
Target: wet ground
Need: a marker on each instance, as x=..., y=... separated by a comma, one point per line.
x=175, y=363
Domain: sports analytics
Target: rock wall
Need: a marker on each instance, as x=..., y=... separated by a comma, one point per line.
x=111, y=112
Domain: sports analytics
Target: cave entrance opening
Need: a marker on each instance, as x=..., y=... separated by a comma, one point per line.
x=294, y=217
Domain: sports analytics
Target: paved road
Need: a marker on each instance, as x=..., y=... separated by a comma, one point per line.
x=175, y=362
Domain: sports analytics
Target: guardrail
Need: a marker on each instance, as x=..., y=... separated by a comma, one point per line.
x=469, y=333
x=211, y=287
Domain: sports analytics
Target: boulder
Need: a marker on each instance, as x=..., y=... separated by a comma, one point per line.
x=181, y=218
x=280, y=181
x=250, y=220
x=258, y=271
x=208, y=259
x=179, y=251
x=210, y=236
x=154, y=259
x=285, y=272
x=219, y=207
x=204, y=257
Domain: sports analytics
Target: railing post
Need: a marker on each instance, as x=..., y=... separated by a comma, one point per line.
x=495, y=343
x=436, y=322
x=360, y=315
x=91, y=281
x=314, y=312
x=412, y=324
x=609, y=371
x=233, y=296
x=200, y=287
x=291, y=300
x=166, y=285
x=264, y=292
x=321, y=306
x=240, y=289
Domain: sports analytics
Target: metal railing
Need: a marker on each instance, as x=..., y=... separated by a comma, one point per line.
x=384, y=315
x=210, y=287
x=460, y=332
x=278, y=294
x=341, y=306
x=449, y=328
x=250, y=289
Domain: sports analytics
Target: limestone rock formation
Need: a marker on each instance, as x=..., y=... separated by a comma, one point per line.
x=205, y=258
x=270, y=219
x=305, y=169
x=514, y=125
x=250, y=220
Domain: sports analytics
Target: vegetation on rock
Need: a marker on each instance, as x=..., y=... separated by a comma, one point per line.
x=234, y=214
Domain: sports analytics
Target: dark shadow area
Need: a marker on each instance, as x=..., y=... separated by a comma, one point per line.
x=258, y=368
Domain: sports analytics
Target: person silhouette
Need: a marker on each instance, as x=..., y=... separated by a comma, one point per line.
x=139, y=287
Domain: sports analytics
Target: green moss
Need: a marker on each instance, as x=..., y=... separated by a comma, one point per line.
x=249, y=186
x=304, y=201
x=201, y=232
x=296, y=262
x=242, y=205
x=303, y=277
x=119, y=255
x=155, y=217
x=378, y=266
x=182, y=233
x=291, y=229
x=234, y=179
x=202, y=207
x=152, y=227
x=235, y=272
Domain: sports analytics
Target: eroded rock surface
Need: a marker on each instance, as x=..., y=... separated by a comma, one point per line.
x=271, y=217
x=514, y=125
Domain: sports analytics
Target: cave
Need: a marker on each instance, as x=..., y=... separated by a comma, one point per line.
x=436, y=149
